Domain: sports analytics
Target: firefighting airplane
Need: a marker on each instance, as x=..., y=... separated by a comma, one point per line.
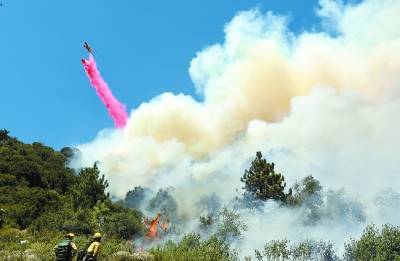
x=88, y=48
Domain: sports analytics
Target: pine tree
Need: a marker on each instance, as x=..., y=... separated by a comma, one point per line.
x=262, y=182
x=4, y=135
x=90, y=188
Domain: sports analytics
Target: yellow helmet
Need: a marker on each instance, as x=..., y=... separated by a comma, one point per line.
x=70, y=235
x=96, y=235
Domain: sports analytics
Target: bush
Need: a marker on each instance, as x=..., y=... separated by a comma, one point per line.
x=23, y=204
x=8, y=180
x=191, y=247
x=127, y=256
x=65, y=220
x=124, y=224
x=306, y=250
x=229, y=226
x=375, y=244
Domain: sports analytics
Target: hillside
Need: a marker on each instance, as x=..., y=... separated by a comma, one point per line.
x=42, y=199
x=34, y=179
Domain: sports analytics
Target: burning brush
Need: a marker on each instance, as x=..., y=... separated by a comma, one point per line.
x=153, y=227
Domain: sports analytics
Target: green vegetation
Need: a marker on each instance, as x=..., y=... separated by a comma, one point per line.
x=304, y=190
x=306, y=250
x=90, y=188
x=262, y=182
x=43, y=199
x=33, y=180
x=191, y=247
x=22, y=245
x=307, y=193
x=165, y=204
x=375, y=244
x=134, y=198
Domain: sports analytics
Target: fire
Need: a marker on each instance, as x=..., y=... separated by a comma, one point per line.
x=153, y=227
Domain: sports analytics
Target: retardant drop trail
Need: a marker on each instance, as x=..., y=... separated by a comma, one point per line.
x=116, y=109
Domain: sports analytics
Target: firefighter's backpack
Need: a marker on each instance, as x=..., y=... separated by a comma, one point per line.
x=64, y=250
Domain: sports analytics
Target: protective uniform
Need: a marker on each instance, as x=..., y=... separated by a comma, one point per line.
x=65, y=250
x=93, y=250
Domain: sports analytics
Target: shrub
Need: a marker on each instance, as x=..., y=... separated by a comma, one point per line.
x=124, y=224
x=230, y=226
x=306, y=250
x=375, y=244
x=191, y=247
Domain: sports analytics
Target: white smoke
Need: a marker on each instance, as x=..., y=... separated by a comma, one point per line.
x=314, y=103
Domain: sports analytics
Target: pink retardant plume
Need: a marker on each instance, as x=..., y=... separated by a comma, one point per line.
x=114, y=107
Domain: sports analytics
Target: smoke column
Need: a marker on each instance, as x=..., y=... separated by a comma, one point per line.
x=313, y=102
x=114, y=107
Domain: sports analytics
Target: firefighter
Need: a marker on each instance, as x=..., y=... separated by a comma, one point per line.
x=66, y=249
x=93, y=250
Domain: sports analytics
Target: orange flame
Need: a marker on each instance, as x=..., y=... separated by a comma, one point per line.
x=152, y=233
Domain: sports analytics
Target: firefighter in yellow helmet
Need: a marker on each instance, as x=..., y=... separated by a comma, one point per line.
x=93, y=250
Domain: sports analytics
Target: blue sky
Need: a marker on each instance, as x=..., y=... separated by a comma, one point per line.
x=143, y=48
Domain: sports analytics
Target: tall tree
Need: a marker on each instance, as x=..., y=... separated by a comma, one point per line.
x=307, y=193
x=4, y=134
x=262, y=182
x=90, y=188
x=134, y=198
x=164, y=203
x=308, y=190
